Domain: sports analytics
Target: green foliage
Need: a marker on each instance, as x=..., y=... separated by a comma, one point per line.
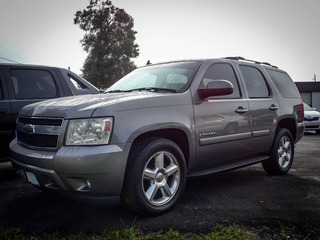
x=11, y=234
x=109, y=41
x=231, y=232
x=135, y=232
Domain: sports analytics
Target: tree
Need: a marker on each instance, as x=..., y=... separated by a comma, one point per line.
x=109, y=41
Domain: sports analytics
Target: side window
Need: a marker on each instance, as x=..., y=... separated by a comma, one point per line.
x=284, y=84
x=255, y=82
x=33, y=84
x=222, y=71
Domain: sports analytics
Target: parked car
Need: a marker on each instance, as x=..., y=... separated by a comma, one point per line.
x=311, y=119
x=24, y=84
x=157, y=126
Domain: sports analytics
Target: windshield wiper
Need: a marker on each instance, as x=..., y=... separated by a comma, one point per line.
x=151, y=89
x=154, y=89
x=117, y=91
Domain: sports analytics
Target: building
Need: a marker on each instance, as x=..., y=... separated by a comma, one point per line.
x=310, y=93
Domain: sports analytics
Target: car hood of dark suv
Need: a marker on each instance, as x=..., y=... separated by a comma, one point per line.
x=94, y=105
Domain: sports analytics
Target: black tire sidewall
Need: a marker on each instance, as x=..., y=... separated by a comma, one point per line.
x=144, y=151
x=272, y=165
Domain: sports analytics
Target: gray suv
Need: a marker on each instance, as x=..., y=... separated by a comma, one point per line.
x=157, y=126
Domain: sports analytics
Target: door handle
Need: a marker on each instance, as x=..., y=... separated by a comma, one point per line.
x=273, y=107
x=241, y=110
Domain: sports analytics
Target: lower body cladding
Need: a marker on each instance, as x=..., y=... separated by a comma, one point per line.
x=89, y=171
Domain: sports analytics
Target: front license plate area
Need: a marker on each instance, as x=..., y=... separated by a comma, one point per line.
x=32, y=179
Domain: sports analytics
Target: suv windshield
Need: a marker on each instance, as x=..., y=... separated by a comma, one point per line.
x=307, y=107
x=169, y=77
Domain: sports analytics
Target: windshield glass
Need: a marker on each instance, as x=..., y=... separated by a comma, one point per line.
x=307, y=107
x=169, y=77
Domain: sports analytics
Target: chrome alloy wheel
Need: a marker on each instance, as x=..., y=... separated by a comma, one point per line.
x=284, y=152
x=160, y=178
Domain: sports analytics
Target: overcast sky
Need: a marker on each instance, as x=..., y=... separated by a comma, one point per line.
x=285, y=33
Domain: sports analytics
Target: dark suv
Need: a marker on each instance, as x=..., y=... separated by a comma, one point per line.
x=22, y=84
x=158, y=125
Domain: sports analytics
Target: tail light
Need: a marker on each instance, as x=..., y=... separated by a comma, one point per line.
x=302, y=111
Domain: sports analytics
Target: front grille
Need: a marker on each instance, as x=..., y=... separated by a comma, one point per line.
x=315, y=126
x=38, y=140
x=39, y=132
x=311, y=119
x=57, y=122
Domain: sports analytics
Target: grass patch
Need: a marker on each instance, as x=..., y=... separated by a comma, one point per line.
x=137, y=233
x=133, y=233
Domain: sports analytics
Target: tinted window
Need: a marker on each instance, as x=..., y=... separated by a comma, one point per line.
x=255, y=82
x=284, y=84
x=33, y=84
x=222, y=71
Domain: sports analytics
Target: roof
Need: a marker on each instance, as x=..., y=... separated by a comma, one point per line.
x=304, y=87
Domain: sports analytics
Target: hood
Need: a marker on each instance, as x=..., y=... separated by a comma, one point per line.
x=312, y=113
x=84, y=106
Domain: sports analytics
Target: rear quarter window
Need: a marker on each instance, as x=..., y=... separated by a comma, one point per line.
x=284, y=84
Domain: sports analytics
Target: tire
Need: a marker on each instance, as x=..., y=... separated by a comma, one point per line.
x=281, y=154
x=155, y=177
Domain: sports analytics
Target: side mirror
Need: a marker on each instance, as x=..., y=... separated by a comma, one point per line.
x=216, y=88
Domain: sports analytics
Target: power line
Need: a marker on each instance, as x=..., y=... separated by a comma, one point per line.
x=9, y=60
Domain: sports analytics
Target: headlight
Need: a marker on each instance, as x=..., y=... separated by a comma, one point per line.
x=91, y=131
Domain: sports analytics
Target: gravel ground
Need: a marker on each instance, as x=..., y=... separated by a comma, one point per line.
x=267, y=205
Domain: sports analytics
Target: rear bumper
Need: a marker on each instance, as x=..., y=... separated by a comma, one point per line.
x=300, y=132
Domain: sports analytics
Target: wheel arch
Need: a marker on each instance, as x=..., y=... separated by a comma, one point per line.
x=290, y=124
x=178, y=136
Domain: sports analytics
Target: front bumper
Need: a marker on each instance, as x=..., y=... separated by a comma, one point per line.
x=92, y=171
x=312, y=125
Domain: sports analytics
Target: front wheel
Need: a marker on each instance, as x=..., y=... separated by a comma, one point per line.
x=155, y=177
x=281, y=154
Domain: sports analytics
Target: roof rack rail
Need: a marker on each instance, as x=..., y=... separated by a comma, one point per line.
x=248, y=60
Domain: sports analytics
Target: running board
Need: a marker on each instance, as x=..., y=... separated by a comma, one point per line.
x=221, y=168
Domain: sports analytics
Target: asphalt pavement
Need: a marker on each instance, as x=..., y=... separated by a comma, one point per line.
x=248, y=197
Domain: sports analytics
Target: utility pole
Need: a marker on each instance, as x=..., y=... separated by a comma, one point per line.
x=314, y=77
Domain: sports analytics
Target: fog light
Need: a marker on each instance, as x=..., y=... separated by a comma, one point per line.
x=80, y=184
x=88, y=184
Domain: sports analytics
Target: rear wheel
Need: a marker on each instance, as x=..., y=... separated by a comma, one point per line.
x=281, y=154
x=155, y=177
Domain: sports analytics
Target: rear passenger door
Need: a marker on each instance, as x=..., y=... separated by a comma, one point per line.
x=263, y=107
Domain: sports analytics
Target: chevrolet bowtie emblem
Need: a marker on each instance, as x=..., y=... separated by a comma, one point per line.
x=29, y=129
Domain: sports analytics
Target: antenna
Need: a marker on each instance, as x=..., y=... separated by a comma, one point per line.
x=9, y=60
